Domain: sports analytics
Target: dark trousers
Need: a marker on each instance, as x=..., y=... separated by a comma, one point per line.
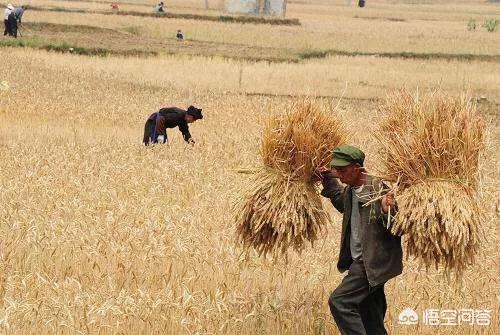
x=150, y=134
x=357, y=308
x=12, y=23
x=7, y=30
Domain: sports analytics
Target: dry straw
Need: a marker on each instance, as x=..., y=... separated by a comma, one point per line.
x=283, y=208
x=431, y=145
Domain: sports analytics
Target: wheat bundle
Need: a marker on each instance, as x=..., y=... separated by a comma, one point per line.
x=283, y=209
x=431, y=145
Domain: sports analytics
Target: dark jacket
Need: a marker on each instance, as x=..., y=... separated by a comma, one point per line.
x=382, y=253
x=171, y=117
x=17, y=13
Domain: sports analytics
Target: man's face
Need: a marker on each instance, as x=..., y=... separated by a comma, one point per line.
x=190, y=118
x=349, y=174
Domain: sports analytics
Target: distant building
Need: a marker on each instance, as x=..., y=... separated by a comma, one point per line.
x=275, y=7
x=256, y=7
x=241, y=6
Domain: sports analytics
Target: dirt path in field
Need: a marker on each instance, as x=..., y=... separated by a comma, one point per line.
x=122, y=42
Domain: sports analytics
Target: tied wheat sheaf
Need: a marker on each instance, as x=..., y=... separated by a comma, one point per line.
x=432, y=144
x=283, y=208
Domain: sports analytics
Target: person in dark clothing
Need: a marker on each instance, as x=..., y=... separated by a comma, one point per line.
x=6, y=14
x=368, y=251
x=160, y=7
x=14, y=20
x=155, y=130
x=12, y=25
x=180, y=35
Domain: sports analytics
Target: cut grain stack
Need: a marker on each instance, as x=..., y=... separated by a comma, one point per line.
x=283, y=208
x=432, y=145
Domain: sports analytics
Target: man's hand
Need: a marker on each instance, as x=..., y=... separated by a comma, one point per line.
x=323, y=171
x=388, y=202
x=191, y=141
x=320, y=173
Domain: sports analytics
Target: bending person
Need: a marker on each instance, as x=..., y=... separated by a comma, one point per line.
x=155, y=129
x=14, y=20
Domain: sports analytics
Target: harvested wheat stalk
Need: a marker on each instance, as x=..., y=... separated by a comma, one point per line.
x=279, y=213
x=432, y=144
x=283, y=209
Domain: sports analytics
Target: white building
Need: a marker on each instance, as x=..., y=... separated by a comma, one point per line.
x=256, y=7
x=241, y=6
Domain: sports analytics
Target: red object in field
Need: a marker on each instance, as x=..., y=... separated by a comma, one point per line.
x=114, y=6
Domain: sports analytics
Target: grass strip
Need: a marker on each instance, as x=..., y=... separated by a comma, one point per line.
x=186, y=16
x=318, y=54
x=65, y=47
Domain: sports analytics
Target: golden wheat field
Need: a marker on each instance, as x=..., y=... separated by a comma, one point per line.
x=101, y=235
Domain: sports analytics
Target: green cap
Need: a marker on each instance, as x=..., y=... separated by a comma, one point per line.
x=345, y=155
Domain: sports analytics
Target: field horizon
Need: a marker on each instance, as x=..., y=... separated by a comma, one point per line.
x=101, y=235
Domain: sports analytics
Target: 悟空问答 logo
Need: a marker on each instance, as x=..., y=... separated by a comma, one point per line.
x=408, y=317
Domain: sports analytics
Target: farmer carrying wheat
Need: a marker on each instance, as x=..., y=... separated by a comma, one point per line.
x=370, y=253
